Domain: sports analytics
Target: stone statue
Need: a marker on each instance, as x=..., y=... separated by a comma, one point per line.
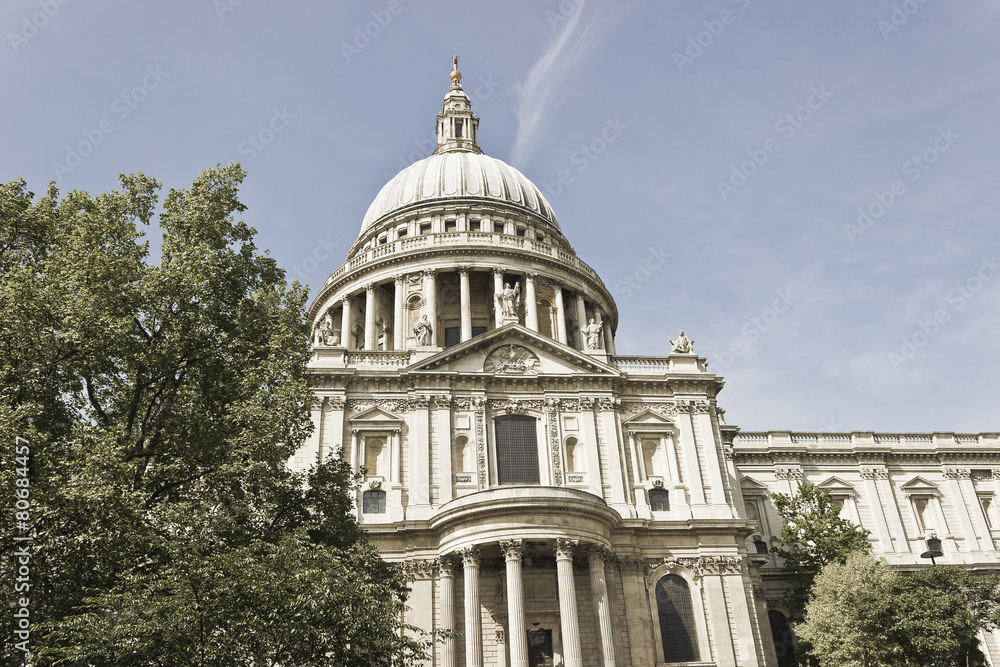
x=381, y=333
x=508, y=299
x=683, y=344
x=423, y=331
x=324, y=333
x=593, y=333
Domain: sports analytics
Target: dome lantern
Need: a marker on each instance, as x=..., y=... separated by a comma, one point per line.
x=457, y=126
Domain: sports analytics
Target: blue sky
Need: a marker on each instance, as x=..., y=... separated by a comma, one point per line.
x=823, y=176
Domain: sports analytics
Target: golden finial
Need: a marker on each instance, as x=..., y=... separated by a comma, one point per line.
x=456, y=76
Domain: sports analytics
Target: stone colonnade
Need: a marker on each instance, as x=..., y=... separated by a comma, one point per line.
x=512, y=549
x=373, y=336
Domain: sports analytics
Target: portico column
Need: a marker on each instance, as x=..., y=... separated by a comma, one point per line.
x=447, y=579
x=398, y=334
x=354, y=450
x=602, y=607
x=530, y=302
x=517, y=633
x=560, y=316
x=568, y=619
x=345, y=323
x=370, y=316
x=497, y=289
x=430, y=289
x=473, y=620
x=466, y=302
x=581, y=320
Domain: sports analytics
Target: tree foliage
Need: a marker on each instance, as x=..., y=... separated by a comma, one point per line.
x=161, y=401
x=866, y=614
x=812, y=535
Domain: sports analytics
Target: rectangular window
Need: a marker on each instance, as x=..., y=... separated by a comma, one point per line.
x=498, y=228
x=452, y=336
x=474, y=225
x=458, y=129
x=401, y=232
x=519, y=231
x=516, y=449
x=450, y=226
x=477, y=331
x=373, y=502
x=425, y=228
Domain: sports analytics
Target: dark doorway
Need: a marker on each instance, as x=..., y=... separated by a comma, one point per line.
x=540, y=647
x=784, y=639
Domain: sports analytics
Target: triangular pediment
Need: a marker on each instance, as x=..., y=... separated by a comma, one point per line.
x=751, y=484
x=648, y=418
x=835, y=483
x=919, y=484
x=374, y=417
x=513, y=351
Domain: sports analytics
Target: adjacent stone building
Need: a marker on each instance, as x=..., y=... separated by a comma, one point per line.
x=557, y=503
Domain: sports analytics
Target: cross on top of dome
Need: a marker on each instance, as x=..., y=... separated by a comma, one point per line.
x=457, y=126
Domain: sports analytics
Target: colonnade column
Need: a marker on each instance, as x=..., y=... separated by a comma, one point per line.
x=430, y=293
x=398, y=333
x=473, y=621
x=560, y=316
x=517, y=633
x=581, y=320
x=609, y=340
x=497, y=289
x=370, y=316
x=568, y=618
x=602, y=607
x=530, y=302
x=346, y=323
x=465, y=301
x=447, y=579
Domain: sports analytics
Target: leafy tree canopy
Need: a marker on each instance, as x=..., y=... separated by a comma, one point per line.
x=161, y=402
x=865, y=614
x=812, y=535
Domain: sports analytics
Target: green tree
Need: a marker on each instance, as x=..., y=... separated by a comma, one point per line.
x=812, y=535
x=866, y=614
x=161, y=402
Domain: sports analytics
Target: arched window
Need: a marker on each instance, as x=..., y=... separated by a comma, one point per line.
x=677, y=628
x=373, y=457
x=373, y=502
x=573, y=455
x=516, y=449
x=784, y=639
x=651, y=459
x=463, y=455
x=659, y=500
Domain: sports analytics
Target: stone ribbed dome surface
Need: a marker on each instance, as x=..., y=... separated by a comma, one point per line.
x=458, y=175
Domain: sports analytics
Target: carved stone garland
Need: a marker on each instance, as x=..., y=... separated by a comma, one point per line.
x=480, y=406
x=552, y=412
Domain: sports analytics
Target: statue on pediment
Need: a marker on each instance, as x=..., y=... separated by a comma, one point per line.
x=593, y=332
x=324, y=333
x=423, y=330
x=683, y=344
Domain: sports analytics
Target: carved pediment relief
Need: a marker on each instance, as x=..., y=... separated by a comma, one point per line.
x=512, y=360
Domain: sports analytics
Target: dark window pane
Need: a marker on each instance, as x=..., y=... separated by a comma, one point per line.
x=784, y=640
x=677, y=629
x=452, y=336
x=517, y=450
x=478, y=330
x=373, y=502
x=659, y=500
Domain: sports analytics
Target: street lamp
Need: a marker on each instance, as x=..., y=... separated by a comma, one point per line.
x=933, y=550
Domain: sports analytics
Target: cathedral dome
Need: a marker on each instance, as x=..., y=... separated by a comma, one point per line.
x=458, y=175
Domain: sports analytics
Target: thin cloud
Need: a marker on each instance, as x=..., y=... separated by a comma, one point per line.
x=546, y=77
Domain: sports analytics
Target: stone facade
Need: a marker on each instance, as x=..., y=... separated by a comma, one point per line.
x=555, y=502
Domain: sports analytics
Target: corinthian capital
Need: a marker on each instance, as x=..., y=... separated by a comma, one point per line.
x=512, y=549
